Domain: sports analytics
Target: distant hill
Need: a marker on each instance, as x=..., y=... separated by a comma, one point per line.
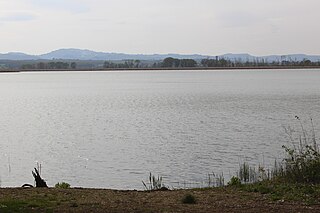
x=78, y=54
x=17, y=56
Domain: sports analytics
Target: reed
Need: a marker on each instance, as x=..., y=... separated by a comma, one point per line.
x=302, y=161
x=155, y=183
x=215, y=180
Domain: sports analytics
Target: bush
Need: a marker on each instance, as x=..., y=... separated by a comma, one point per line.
x=62, y=185
x=302, y=166
x=234, y=181
x=189, y=199
x=302, y=163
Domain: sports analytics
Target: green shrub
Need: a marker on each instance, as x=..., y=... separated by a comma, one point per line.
x=302, y=163
x=234, y=181
x=302, y=166
x=62, y=185
x=263, y=189
x=189, y=199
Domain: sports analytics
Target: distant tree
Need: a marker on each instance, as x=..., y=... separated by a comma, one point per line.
x=204, y=62
x=188, y=63
x=73, y=65
x=170, y=62
x=41, y=65
x=106, y=64
x=28, y=66
x=306, y=62
x=174, y=62
x=137, y=63
x=223, y=62
x=218, y=62
x=58, y=65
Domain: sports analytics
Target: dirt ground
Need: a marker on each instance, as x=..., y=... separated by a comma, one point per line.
x=103, y=200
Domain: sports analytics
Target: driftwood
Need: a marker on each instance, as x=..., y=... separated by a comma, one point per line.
x=39, y=181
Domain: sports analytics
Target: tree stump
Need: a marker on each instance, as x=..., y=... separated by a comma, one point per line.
x=39, y=181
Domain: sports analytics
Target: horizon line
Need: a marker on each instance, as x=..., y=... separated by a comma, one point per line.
x=169, y=53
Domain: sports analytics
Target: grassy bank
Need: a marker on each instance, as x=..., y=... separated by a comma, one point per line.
x=224, y=199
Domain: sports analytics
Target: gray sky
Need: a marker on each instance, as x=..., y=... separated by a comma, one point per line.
x=259, y=27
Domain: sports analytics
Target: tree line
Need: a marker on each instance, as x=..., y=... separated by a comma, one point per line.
x=50, y=65
x=174, y=62
x=127, y=64
x=222, y=62
x=255, y=63
x=165, y=63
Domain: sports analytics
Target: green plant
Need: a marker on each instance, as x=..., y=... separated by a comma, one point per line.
x=215, y=180
x=234, y=181
x=302, y=163
x=154, y=183
x=247, y=174
x=12, y=205
x=280, y=190
x=62, y=185
x=189, y=199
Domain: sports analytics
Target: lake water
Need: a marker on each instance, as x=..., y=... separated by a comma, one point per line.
x=110, y=129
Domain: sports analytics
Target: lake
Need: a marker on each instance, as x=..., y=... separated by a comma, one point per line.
x=110, y=129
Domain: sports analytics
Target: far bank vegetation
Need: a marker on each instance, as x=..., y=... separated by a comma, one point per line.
x=169, y=62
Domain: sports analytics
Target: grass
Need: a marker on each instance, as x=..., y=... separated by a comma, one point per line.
x=222, y=199
x=302, y=163
x=215, y=180
x=12, y=206
x=155, y=183
x=246, y=173
x=16, y=205
x=35, y=200
x=305, y=193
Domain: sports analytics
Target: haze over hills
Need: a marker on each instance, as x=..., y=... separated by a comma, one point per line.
x=79, y=54
x=17, y=56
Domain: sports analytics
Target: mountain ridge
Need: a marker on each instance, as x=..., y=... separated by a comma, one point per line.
x=85, y=54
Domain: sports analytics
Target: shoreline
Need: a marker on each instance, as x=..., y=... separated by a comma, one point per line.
x=163, y=69
x=226, y=199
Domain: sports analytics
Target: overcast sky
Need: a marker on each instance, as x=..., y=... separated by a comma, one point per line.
x=213, y=27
